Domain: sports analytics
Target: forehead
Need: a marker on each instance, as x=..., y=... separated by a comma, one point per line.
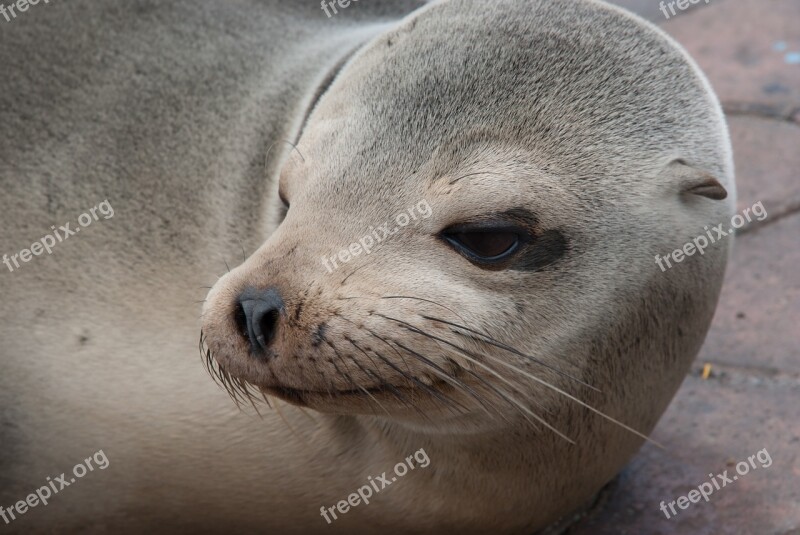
x=458, y=181
x=545, y=76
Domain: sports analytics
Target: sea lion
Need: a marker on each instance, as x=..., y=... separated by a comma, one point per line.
x=516, y=332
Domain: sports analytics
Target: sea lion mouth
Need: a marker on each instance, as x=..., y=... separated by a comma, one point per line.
x=299, y=396
x=246, y=387
x=402, y=394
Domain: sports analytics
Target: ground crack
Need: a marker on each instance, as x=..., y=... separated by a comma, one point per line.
x=786, y=113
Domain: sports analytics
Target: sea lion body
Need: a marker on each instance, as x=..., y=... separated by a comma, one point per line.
x=184, y=117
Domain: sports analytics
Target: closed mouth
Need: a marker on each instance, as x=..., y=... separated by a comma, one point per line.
x=300, y=396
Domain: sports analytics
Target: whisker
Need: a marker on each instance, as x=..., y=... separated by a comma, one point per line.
x=237, y=389
x=381, y=381
x=382, y=339
x=491, y=341
x=266, y=398
x=502, y=395
x=390, y=386
x=435, y=393
x=474, y=174
x=291, y=429
x=403, y=297
x=294, y=147
x=465, y=353
x=245, y=387
x=375, y=335
x=349, y=377
x=445, y=376
x=578, y=401
x=416, y=381
x=353, y=272
x=425, y=301
x=368, y=372
x=493, y=372
x=511, y=400
x=307, y=415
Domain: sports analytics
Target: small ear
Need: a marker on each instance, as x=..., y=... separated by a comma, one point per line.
x=694, y=181
x=709, y=187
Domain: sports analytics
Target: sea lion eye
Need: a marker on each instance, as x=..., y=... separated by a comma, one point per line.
x=484, y=245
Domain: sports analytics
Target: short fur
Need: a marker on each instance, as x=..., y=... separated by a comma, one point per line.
x=581, y=114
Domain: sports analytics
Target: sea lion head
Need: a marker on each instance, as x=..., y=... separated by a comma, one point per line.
x=474, y=207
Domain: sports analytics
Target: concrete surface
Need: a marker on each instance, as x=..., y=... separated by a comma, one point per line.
x=750, y=400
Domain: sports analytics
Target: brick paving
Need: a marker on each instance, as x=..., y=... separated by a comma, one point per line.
x=750, y=50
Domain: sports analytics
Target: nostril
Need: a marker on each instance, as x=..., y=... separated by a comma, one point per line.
x=257, y=316
x=240, y=318
x=269, y=326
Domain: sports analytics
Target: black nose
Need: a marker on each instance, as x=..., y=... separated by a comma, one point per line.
x=258, y=313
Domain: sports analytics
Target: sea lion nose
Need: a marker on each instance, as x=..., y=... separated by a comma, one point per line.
x=258, y=314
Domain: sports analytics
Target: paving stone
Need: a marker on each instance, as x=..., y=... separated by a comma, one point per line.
x=751, y=399
x=710, y=427
x=760, y=302
x=749, y=49
x=759, y=309
x=767, y=157
x=647, y=9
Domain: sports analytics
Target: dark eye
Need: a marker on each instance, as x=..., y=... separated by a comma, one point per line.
x=485, y=245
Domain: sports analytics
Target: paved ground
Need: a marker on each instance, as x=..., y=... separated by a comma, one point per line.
x=750, y=401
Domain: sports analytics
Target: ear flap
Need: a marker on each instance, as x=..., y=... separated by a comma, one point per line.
x=707, y=186
x=694, y=181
